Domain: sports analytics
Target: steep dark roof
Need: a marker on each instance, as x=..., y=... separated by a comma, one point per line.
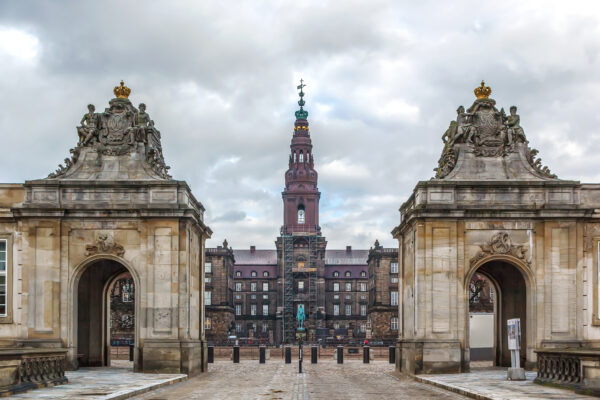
x=256, y=257
x=344, y=257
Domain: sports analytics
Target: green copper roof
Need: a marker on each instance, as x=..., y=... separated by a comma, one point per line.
x=301, y=113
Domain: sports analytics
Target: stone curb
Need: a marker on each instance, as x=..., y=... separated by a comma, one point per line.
x=452, y=388
x=170, y=381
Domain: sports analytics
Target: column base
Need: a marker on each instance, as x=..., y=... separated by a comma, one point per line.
x=430, y=356
x=173, y=356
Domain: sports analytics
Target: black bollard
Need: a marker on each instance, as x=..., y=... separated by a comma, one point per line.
x=392, y=356
x=366, y=354
x=262, y=354
x=131, y=352
x=340, y=354
x=288, y=355
x=313, y=354
x=236, y=354
x=211, y=354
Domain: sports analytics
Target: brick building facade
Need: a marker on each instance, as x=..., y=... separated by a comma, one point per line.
x=340, y=290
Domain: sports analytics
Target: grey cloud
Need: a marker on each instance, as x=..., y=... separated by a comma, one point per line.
x=384, y=79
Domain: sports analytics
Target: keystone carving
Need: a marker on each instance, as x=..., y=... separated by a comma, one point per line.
x=500, y=243
x=106, y=245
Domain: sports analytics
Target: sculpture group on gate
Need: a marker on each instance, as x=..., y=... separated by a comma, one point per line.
x=488, y=132
x=118, y=131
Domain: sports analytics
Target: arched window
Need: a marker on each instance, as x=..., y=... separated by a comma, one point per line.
x=266, y=274
x=253, y=273
x=363, y=274
x=238, y=273
x=301, y=159
x=336, y=274
x=294, y=156
x=307, y=157
x=347, y=274
x=301, y=215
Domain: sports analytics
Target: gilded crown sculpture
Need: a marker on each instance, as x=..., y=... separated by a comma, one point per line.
x=121, y=91
x=481, y=92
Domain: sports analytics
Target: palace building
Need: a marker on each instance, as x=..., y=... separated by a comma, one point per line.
x=107, y=250
x=346, y=293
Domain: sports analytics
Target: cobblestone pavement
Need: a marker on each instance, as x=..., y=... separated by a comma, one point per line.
x=101, y=383
x=492, y=384
x=276, y=380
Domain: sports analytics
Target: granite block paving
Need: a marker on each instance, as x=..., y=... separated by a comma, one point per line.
x=102, y=383
x=491, y=384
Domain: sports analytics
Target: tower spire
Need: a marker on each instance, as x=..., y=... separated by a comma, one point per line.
x=301, y=113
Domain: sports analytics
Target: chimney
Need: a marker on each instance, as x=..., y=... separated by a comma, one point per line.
x=348, y=249
x=252, y=249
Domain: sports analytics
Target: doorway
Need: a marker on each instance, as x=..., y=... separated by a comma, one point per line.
x=105, y=310
x=497, y=293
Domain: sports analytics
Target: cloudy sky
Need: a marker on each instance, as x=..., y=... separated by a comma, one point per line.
x=219, y=78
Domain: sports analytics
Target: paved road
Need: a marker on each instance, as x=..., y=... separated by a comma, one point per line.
x=276, y=380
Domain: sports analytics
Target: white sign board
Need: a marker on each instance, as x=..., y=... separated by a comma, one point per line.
x=514, y=333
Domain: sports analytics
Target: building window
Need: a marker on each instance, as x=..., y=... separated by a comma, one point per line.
x=301, y=158
x=348, y=287
x=394, y=324
x=363, y=327
x=307, y=157
x=266, y=274
x=301, y=215
x=394, y=298
x=238, y=327
x=348, y=297
x=253, y=274
x=336, y=325
x=362, y=286
x=394, y=268
x=207, y=279
x=126, y=289
x=265, y=297
x=363, y=310
x=253, y=286
x=207, y=298
x=363, y=274
x=265, y=309
x=300, y=286
x=265, y=327
x=336, y=274
x=238, y=296
x=265, y=286
x=253, y=297
x=347, y=274
x=207, y=323
x=336, y=296
x=394, y=279
x=348, y=309
x=238, y=286
x=252, y=309
x=336, y=287
x=491, y=294
x=3, y=277
x=208, y=268
x=294, y=157
x=238, y=309
x=336, y=309
x=238, y=273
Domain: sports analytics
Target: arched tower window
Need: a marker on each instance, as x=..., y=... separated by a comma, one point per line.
x=301, y=214
x=307, y=157
x=294, y=156
x=301, y=159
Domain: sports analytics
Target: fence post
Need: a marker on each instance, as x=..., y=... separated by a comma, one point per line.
x=365, y=354
x=340, y=354
x=130, y=352
x=211, y=354
x=313, y=354
x=288, y=354
x=262, y=354
x=392, y=355
x=236, y=354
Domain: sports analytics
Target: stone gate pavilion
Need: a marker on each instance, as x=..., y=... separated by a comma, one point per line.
x=111, y=208
x=493, y=208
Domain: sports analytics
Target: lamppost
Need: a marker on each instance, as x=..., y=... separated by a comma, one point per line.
x=300, y=317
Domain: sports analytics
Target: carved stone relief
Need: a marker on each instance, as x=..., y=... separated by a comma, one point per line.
x=105, y=244
x=500, y=243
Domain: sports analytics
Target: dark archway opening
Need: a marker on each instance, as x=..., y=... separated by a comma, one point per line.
x=94, y=303
x=509, y=297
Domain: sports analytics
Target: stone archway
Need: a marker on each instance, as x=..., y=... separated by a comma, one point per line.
x=90, y=288
x=514, y=290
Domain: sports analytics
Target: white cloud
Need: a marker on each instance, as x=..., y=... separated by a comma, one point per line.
x=18, y=46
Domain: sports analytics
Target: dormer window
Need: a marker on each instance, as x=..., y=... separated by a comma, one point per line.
x=238, y=273
x=253, y=273
x=347, y=274
x=336, y=274
x=301, y=214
